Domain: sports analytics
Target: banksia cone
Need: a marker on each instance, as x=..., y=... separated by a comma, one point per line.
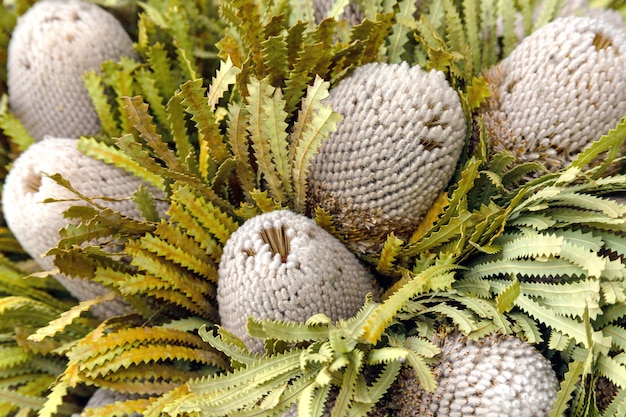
x=36, y=225
x=495, y=376
x=283, y=266
x=51, y=48
x=562, y=88
x=391, y=156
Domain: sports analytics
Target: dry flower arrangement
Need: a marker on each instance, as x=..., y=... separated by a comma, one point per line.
x=312, y=208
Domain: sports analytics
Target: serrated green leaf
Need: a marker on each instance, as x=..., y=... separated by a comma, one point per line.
x=389, y=253
x=59, y=324
x=405, y=23
x=314, y=123
x=567, y=326
x=94, y=84
x=221, y=82
x=568, y=384
x=286, y=331
x=506, y=298
x=261, y=92
x=211, y=142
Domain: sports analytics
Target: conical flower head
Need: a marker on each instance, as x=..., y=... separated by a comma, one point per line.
x=52, y=46
x=495, y=376
x=562, y=88
x=36, y=224
x=392, y=154
x=283, y=266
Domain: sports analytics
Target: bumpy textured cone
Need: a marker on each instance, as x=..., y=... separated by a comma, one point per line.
x=351, y=12
x=51, y=48
x=562, y=88
x=391, y=156
x=36, y=225
x=283, y=266
x=496, y=376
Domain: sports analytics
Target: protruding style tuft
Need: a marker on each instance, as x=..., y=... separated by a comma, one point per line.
x=283, y=266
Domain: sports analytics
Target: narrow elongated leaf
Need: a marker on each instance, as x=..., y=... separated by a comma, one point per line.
x=568, y=384
x=314, y=123
x=221, y=82
x=261, y=92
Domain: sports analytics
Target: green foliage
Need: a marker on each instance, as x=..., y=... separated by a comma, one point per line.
x=294, y=371
x=223, y=112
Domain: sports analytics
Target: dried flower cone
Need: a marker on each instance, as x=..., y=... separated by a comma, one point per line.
x=36, y=224
x=283, y=266
x=51, y=48
x=561, y=89
x=495, y=376
x=391, y=156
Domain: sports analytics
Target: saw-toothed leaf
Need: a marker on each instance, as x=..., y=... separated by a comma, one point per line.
x=237, y=126
x=405, y=23
x=312, y=401
x=348, y=384
x=160, y=64
x=612, y=369
x=181, y=255
x=593, y=264
x=221, y=82
x=286, y=331
x=95, y=87
x=59, y=324
x=275, y=55
x=533, y=246
x=225, y=342
x=389, y=253
x=314, y=123
x=611, y=142
x=528, y=327
x=506, y=12
x=55, y=398
x=618, y=335
x=210, y=216
x=568, y=385
x=194, y=229
x=212, y=145
x=136, y=110
x=151, y=93
x=385, y=312
x=524, y=268
x=178, y=279
x=120, y=159
x=506, y=298
x=608, y=207
x=567, y=326
x=275, y=130
x=241, y=388
x=260, y=93
x=178, y=131
x=547, y=12
x=455, y=35
x=175, y=237
x=178, y=23
x=146, y=205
